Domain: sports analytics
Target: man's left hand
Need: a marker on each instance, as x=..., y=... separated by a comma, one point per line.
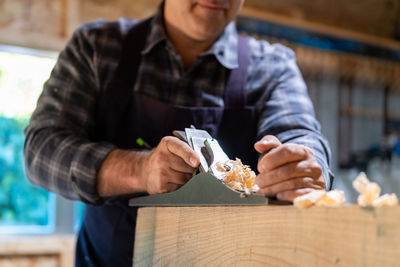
x=286, y=171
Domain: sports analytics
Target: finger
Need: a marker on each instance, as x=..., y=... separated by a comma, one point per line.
x=173, y=187
x=282, y=155
x=321, y=182
x=267, y=143
x=291, y=195
x=305, y=168
x=292, y=184
x=182, y=150
x=179, y=178
x=177, y=164
x=167, y=178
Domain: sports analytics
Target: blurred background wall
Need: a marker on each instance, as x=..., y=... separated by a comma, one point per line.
x=348, y=52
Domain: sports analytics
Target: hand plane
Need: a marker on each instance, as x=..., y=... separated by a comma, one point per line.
x=207, y=188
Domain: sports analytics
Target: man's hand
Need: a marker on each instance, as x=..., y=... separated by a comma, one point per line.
x=169, y=166
x=166, y=168
x=286, y=170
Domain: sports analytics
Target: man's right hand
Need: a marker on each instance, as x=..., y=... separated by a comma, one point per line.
x=164, y=169
x=169, y=166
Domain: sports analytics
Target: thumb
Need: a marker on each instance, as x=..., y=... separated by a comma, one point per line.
x=182, y=150
x=267, y=143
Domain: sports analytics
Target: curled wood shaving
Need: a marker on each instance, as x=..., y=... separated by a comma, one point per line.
x=370, y=191
x=237, y=176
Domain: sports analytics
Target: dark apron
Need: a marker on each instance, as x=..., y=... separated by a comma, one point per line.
x=108, y=232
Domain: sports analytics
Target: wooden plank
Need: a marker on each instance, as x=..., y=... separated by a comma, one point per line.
x=268, y=236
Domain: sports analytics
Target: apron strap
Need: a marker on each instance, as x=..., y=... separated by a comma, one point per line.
x=117, y=93
x=235, y=91
x=131, y=53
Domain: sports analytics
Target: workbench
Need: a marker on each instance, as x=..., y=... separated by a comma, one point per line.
x=268, y=236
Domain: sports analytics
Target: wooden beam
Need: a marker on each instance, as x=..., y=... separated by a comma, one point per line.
x=397, y=33
x=320, y=28
x=267, y=236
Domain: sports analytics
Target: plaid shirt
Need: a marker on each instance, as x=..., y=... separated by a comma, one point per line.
x=59, y=153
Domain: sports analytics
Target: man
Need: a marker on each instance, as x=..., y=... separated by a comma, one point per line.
x=116, y=82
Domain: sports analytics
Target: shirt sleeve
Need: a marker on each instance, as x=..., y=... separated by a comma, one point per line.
x=286, y=110
x=59, y=153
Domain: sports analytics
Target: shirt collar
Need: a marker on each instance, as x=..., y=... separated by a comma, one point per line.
x=225, y=49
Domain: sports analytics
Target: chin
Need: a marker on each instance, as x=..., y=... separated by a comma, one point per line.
x=206, y=32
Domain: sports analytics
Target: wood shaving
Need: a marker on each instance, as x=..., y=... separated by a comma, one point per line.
x=332, y=198
x=370, y=191
x=237, y=176
x=386, y=200
x=307, y=200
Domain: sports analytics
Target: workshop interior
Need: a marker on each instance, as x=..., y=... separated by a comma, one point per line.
x=349, y=55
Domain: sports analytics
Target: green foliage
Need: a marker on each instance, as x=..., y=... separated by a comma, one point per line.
x=20, y=202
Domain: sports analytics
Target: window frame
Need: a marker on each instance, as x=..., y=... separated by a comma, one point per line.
x=63, y=217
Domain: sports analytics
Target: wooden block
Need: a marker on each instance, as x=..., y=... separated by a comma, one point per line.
x=268, y=236
x=52, y=250
x=30, y=261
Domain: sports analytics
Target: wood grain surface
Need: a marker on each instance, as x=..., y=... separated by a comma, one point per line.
x=267, y=236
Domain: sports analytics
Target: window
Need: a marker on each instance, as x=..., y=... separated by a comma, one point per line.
x=24, y=208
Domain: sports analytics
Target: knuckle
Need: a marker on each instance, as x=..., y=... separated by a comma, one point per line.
x=291, y=149
x=281, y=173
x=316, y=169
x=297, y=183
x=300, y=150
x=321, y=182
x=308, y=181
x=287, y=150
x=167, y=138
x=164, y=140
x=301, y=167
x=307, y=151
x=294, y=183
